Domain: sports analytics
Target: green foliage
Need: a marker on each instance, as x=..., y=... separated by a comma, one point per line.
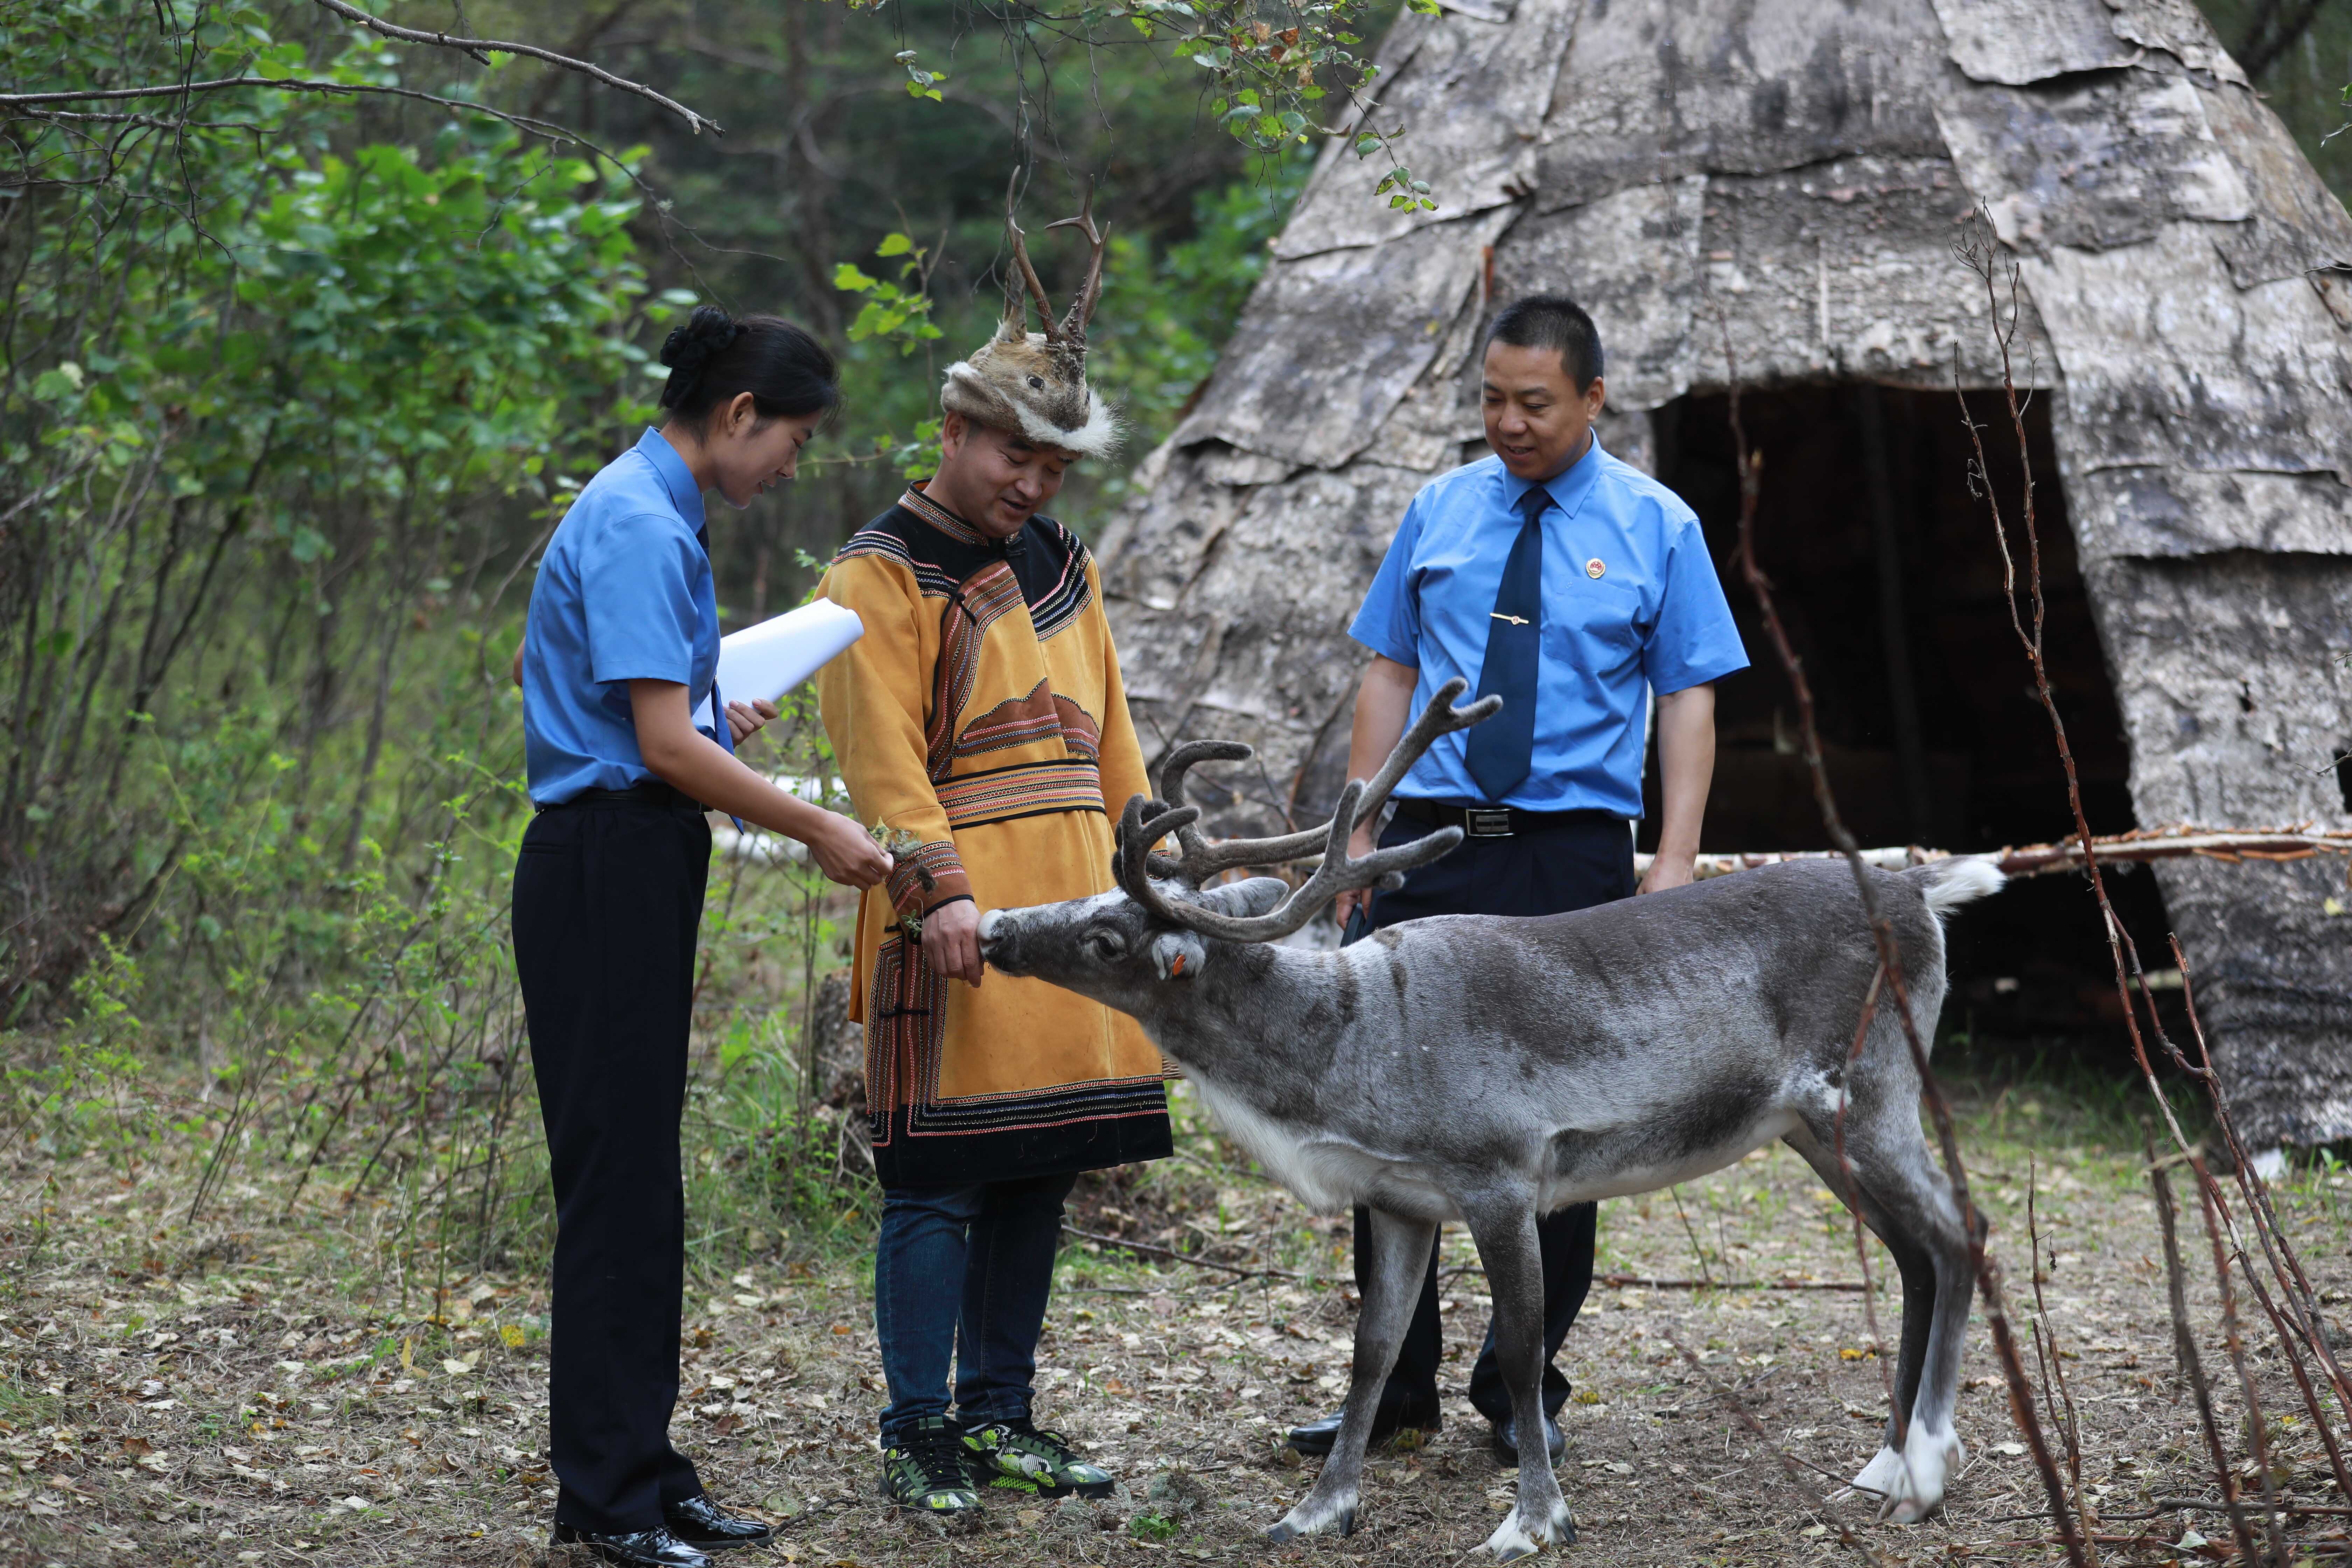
x=921, y=83
x=1153, y=1526
x=277, y=400
x=286, y=405
x=893, y=312
x=1269, y=78
x=897, y=312
x=294, y=393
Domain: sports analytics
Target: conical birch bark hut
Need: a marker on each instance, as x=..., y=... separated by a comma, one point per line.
x=1795, y=173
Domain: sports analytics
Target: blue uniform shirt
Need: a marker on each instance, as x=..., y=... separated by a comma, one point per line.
x=623, y=594
x=1630, y=604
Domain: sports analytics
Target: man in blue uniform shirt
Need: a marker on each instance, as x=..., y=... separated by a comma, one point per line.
x=1579, y=589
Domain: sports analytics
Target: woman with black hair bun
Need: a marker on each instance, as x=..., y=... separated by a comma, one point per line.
x=619, y=654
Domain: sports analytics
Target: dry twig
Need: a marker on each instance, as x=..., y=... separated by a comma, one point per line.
x=1151, y=1250
x=1988, y=1273
x=1978, y=250
x=2184, y=1350
x=2257, y=1433
x=479, y=48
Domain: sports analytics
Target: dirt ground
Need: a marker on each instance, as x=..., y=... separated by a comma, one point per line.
x=223, y=1397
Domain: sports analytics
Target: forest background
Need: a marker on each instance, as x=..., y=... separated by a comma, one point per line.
x=294, y=385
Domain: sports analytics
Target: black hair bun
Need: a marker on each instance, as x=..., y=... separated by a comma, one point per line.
x=714, y=359
x=708, y=332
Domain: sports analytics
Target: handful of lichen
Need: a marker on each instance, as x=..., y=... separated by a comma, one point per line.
x=900, y=844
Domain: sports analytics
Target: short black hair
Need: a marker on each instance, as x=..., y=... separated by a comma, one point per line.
x=1551, y=322
x=712, y=357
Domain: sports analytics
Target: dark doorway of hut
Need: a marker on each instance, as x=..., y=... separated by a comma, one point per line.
x=1888, y=578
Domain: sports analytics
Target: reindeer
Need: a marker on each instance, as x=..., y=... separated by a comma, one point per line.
x=1490, y=1070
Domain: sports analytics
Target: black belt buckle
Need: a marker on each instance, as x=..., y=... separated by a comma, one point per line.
x=1490, y=821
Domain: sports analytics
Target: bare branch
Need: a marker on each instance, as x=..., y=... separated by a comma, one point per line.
x=2184, y=1352
x=478, y=47
x=161, y=90
x=1978, y=250
x=2182, y=841
x=28, y=106
x=2256, y=1427
x=1890, y=959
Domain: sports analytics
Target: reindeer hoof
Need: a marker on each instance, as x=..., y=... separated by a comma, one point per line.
x=1513, y=1540
x=1302, y=1521
x=1910, y=1484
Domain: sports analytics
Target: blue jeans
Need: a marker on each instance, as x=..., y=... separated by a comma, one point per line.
x=962, y=1274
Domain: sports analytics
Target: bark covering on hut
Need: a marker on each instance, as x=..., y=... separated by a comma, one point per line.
x=1793, y=175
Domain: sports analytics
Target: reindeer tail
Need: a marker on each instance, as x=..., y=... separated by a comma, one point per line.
x=1962, y=879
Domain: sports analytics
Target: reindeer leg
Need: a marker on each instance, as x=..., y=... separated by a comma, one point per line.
x=1932, y=1449
x=1503, y=1225
x=1904, y=1199
x=1400, y=1255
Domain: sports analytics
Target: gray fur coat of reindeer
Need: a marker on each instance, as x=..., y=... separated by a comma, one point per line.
x=1489, y=1070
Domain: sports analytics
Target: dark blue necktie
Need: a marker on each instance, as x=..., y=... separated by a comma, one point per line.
x=724, y=734
x=1502, y=750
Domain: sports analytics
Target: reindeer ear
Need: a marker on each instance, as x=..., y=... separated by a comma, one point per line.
x=1245, y=899
x=1178, y=954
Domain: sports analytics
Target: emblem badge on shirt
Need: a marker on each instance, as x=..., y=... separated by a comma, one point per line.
x=1593, y=568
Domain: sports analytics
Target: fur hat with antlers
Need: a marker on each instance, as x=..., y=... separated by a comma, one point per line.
x=1034, y=383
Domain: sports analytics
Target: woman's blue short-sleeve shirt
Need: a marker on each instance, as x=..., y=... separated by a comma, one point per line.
x=625, y=592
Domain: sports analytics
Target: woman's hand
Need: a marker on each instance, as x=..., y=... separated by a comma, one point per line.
x=845, y=851
x=683, y=757
x=745, y=720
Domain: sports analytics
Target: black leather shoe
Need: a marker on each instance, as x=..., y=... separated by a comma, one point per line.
x=1317, y=1437
x=638, y=1549
x=698, y=1522
x=1506, y=1444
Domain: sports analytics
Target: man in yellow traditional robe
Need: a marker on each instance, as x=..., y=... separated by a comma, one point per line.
x=982, y=720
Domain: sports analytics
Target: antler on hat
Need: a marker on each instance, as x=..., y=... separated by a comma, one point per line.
x=1034, y=383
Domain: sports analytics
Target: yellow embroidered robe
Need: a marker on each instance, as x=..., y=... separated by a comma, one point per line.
x=982, y=710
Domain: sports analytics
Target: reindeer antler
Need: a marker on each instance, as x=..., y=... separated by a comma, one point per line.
x=1021, y=263
x=1170, y=788
x=1338, y=873
x=1082, y=307
x=1203, y=859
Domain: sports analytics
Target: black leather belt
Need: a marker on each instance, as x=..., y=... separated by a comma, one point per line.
x=1495, y=821
x=650, y=791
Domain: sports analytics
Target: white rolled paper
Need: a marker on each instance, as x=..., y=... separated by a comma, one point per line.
x=771, y=658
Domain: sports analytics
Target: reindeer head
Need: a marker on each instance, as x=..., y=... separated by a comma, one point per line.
x=1034, y=383
x=1163, y=925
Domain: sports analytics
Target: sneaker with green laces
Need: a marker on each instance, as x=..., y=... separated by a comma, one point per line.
x=1015, y=1455
x=927, y=1469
